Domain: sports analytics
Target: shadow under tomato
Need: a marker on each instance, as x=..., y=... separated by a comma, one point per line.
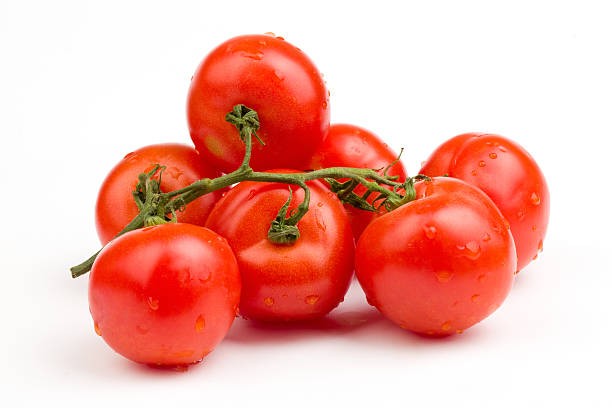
x=338, y=323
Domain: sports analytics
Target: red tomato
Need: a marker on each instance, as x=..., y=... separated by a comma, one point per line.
x=271, y=76
x=352, y=146
x=115, y=207
x=509, y=175
x=286, y=282
x=166, y=294
x=439, y=264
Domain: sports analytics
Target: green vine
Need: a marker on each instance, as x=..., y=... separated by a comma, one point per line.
x=157, y=207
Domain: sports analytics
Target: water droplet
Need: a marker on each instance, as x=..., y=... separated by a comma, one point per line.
x=129, y=156
x=320, y=222
x=430, y=231
x=200, y=323
x=486, y=237
x=446, y=326
x=520, y=214
x=444, y=276
x=270, y=33
x=535, y=257
x=489, y=143
x=320, y=204
x=403, y=326
x=496, y=144
x=142, y=329
x=473, y=172
x=506, y=223
x=153, y=303
x=482, y=163
x=493, y=155
x=280, y=38
x=255, y=55
x=268, y=301
x=502, y=149
x=97, y=329
x=251, y=194
x=541, y=246
x=534, y=228
x=475, y=298
x=312, y=299
x=481, y=277
x=471, y=250
x=459, y=331
x=324, y=104
x=174, y=172
x=279, y=74
x=262, y=42
x=535, y=198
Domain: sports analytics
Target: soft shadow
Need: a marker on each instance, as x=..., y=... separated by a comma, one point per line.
x=338, y=323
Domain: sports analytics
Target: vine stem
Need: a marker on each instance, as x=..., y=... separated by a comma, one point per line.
x=158, y=204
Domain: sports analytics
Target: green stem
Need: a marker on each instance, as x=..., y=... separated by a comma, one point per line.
x=157, y=205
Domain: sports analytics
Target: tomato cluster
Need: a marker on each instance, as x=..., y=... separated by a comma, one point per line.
x=437, y=259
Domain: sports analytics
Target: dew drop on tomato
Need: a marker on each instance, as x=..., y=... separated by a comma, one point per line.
x=312, y=299
x=200, y=323
x=153, y=303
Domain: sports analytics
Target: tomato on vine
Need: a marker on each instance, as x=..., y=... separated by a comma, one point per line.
x=283, y=281
x=510, y=177
x=116, y=207
x=166, y=294
x=277, y=80
x=352, y=146
x=439, y=264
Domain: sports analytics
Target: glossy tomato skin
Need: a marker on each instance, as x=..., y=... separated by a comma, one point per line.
x=164, y=295
x=439, y=264
x=352, y=146
x=286, y=282
x=510, y=177
x=115, y=206
x=271, y=76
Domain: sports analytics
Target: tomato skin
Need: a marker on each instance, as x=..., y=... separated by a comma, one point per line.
x=115, y=206
x=276, y=79
x=439, y=264
x=166, y=294
x=302, y=281
x=510, y=177
x=352, y=146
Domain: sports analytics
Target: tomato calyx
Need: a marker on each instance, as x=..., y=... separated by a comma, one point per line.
x=155, y=206
x=283, y=230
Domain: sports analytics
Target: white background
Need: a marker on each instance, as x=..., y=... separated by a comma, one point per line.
x=83, y=83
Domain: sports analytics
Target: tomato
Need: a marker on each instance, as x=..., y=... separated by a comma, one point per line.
x=440, y=263
x=509, y=175
x=115, y=207
x=286, y=282
x=165, y=294
x=271, y=76
x=352, y=146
